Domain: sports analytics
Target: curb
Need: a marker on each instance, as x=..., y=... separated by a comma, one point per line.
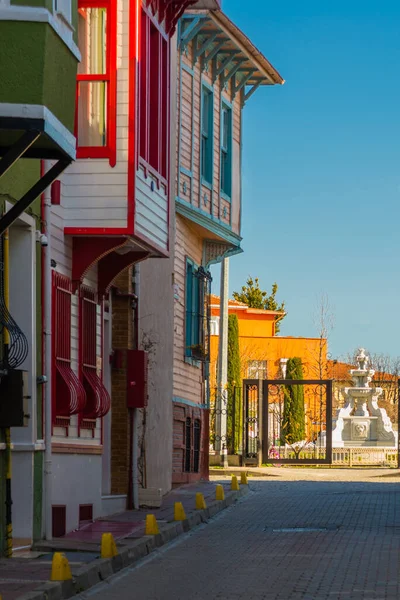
x=98, y=570
x=236, y=471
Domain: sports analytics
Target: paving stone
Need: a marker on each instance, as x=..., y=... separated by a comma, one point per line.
x=341, y=541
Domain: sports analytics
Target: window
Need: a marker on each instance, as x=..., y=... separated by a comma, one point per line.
x=196, y=445
x=68, y=393
x=188, y=444
x=257, y=369
x=198, y=283
x=98, y=400
x=207, y=135
x=226, y=150
x=96, y=80
x=192, y=445
x=153, y=96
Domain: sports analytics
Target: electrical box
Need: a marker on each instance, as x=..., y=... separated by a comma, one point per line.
x=137, y=367
x=14, y=399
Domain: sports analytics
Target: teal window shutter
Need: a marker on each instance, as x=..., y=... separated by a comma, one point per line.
x=226, y=150
x=207, y=134
x=189, y=307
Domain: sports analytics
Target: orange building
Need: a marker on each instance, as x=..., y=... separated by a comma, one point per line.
x=261, y=349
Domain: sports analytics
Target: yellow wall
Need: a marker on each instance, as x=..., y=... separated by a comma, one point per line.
x=256, y=342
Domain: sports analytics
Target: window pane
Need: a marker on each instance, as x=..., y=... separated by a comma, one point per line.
x=206, y=112
x=92, y=113
x=225, y=128
x=92, y=26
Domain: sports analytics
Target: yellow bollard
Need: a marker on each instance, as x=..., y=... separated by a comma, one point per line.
x=200, y=501
x=108, y=546
x=243, y=478
x=60, y=569
x=234, y=483
x=219, y=492
x=151, y=525
x=179, y=512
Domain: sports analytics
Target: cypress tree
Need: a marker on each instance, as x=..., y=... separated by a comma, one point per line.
x=293, y=421
x=234, y=386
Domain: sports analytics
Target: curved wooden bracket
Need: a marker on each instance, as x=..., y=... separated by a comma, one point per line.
x=87, y=251
x=111, y=265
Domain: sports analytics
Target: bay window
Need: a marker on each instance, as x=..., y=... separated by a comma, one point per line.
x=96, y=80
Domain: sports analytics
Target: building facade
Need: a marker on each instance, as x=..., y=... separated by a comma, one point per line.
x=39, y=58
x=110, y=210
x=218, y=71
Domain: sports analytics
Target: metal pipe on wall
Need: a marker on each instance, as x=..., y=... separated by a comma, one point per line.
x=135, y=412
x=47, y=352
x=222, y=375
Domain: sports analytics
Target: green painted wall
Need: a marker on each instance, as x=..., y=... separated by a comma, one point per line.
x=35, y=3
x=36, y=67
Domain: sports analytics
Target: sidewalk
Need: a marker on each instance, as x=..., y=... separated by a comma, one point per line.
x=27, y=573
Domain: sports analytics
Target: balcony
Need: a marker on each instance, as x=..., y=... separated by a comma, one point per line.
x=37, y=95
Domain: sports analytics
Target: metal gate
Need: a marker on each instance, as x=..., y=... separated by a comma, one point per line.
x=251, y=421
x=287, y=421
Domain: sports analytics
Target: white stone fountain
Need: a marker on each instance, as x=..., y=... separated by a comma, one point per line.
x=361, y=422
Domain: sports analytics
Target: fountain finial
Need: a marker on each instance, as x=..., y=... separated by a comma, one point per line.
x=362, y=359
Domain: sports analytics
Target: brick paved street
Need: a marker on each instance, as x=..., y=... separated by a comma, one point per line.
x=353, y=553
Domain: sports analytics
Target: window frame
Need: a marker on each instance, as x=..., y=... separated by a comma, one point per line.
x=226, y=186
x=197, y=312
x=63, y=374
x=207, y=137
x=192, y=445
x=109, y=151
x=153, y=108
x=90, y=377
x=256, y=367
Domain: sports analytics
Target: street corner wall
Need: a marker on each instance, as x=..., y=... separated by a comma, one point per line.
x=156, y=336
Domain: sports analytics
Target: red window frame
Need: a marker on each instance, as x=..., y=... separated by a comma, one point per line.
x=153, y=97
x=98, y=399
x=110, y=77
x=68, y=394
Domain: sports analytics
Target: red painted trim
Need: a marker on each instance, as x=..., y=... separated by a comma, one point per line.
x=83, y=231
x=43, y=299
x=102, y=363
x=134, y=45
x=53, y=351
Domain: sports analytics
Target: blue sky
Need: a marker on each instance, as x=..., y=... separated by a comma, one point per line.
x=321, y=167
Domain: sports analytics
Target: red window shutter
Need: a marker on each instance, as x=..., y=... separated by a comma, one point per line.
x=56, y=192
x=98, y=399
x=69, y=396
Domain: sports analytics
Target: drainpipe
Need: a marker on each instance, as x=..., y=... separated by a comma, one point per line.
x=135, y=412
x=46, y=275
x=222, y=375
x=9, y=531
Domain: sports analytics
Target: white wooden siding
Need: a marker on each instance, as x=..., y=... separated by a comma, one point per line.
x=187, y=378
x=93, y=194
x=151, y=213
